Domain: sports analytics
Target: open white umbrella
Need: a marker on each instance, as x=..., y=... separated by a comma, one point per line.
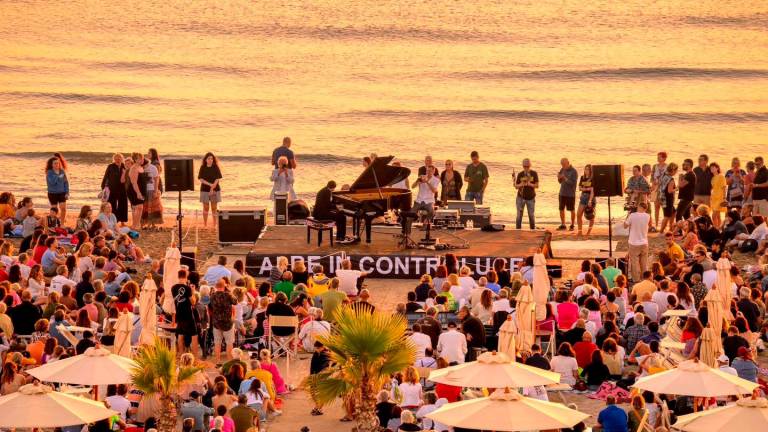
x=507, y=411
x=694, y=378
x=526, y=319
x=96, y=366
x=171, y=269
x=715, y=314
x=541, y=287
x=744, y=415
x=123, y=330
x=38, y=406
x=494, y=370
x=148, y=311
x=724, y=284
x=507, y=333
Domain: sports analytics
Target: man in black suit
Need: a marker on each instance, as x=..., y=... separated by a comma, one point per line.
x=325, y=210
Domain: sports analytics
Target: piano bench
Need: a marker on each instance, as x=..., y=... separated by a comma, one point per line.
x=319, y=226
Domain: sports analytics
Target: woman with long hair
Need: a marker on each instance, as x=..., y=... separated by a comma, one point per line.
x=451, y=183
x=717, y=197
x=586, y=199
x=58, y=184
x=565, y=364
x=210, y=190
x=484, y=309
x=137, y=188
x=113, y=184
x=667, y=188
x=12, y=379
x=152, y=214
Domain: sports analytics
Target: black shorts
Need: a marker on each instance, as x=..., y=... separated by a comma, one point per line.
x=56, y=198
x=566, y=202
x=669, y=210
x=186, y=328
x=133, y=198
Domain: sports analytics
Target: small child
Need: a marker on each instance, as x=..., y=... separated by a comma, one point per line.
x=53, y=223
x=29, y=224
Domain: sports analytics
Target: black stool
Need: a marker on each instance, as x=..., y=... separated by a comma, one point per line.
x=319, y=226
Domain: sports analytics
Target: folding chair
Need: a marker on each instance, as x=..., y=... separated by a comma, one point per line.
x=67, y=335
x=284, y=345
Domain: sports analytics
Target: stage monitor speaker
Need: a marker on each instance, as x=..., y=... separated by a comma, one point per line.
x=281, y=208
x=241, y=224
x=179, y=174
x=608, y=180
x=189, y=257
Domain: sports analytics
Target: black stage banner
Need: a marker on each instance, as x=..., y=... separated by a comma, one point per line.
x=384, y=266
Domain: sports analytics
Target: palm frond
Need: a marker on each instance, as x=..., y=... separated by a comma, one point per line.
x=155, y=370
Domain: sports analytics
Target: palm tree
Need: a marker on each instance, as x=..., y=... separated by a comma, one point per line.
x=156, y=374
x=365, y=349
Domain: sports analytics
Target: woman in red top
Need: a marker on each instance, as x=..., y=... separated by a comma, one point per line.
x=124, y=302
x=449, y=392
x=40, y=248
x=567, y=310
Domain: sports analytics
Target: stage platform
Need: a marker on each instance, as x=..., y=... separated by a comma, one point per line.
x=384, y=258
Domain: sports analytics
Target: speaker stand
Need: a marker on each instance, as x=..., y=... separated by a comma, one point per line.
x=179, y=218
x=610, y=230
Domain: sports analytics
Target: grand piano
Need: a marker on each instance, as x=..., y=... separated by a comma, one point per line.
x=370, y=195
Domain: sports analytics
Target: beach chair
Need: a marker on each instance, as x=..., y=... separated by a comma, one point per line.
x=284, y=346
x=67, y=335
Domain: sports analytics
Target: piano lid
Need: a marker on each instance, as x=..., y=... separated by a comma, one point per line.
x=385, y=174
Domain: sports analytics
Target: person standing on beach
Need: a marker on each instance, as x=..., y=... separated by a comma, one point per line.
x=210, y=190
x=686, y=187
x=451, y=182
x=637, y=223
x=284, y=150
x=282, y=179
x=657, y=172
x=476, y=176
x=113, y=184
x=58, y=184
x=153, y=208
x=137, y=188
x=567, y=177
x=586, y=199
x=703, y=190
x=526, y=183
x=734, y=178
x=760, y=188
x=667, y=188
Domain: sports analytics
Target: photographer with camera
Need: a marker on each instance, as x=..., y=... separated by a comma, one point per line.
x=425, y=198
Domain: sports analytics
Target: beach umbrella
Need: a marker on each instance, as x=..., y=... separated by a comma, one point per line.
x=96, y=366
x=123, y=330
x=37, y=406
x=526, y=319
x=708, y=351
x=507, y=411
x=541, y=285
x=148, y=311
x=714, y=303
x=694, y=378
x=744, y=415
x=724, y=284
x=507, y=333
x=170, y=278
x=494, y=370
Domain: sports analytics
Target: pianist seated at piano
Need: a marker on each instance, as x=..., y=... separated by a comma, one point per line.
x=325, y=210
x=425, y=198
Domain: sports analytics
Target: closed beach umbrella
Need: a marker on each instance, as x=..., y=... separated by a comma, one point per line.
x=96, y=366
x=170, y=278
x=38, y=406
x=694, y=378
x=526, y=320
x=123, y=330
x=708, y=351
x=148, y=311
x=494, y=370
x=744, y=415
x=715, y=313
x=507, y=333
x=724, y=284
x=541, y=285
x=507, y=411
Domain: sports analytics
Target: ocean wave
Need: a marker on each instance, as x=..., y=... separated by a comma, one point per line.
x=665, y=117
x=176, y=67
x=651, y=73
x=81, y=97
x=106, y=157
x=752, y=20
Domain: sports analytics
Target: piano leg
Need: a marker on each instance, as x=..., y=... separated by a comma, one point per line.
x=368, y=224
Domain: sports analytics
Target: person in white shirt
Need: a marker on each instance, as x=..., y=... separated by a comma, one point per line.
x=314, y=328
x=421, y=340
x=502, y=303
x=709, y=277
x=452, y=345
x=637, y=223
x=465, y=279
x=477, y=290
x=410, y=389
x=431, y=403
x=348, y=278
x=660, y=297
x=118, y=402
x=218, y=271
x=61, y=279
x=565, y=364
x=723, y=363
x=425, y=198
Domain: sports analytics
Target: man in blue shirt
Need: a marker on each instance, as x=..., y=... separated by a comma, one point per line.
x=284, y=150
x=218, y=271
x=612, y=418
x=568, y=178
